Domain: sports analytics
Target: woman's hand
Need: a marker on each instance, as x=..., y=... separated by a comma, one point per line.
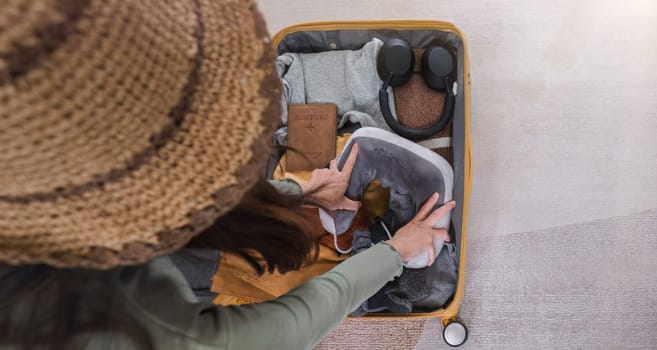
x=418, y=235
x=327, y=186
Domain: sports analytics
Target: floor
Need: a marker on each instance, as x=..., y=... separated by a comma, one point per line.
x=562, y=248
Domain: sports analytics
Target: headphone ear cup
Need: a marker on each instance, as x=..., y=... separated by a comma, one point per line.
x=395, y=61
x=437, y=63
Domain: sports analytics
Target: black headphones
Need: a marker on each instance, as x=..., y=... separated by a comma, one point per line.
x=394, y=65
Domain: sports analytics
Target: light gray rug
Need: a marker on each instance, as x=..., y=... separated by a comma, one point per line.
x=563, y=213
x=586, y=286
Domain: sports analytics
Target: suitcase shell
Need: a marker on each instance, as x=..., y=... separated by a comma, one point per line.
x=324, y=36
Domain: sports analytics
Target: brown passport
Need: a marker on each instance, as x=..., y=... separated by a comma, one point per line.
x=311, y=133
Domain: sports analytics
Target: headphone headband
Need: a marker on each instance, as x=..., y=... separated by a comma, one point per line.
x=395, y=63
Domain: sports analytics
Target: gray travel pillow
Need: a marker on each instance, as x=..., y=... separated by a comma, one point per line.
x=412, y=172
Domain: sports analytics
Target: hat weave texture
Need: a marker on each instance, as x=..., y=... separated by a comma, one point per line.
x=127, y=126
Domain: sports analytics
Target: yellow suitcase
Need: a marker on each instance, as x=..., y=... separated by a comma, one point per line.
x=329, y=36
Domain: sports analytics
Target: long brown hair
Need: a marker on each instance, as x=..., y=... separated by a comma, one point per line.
x=269, y=229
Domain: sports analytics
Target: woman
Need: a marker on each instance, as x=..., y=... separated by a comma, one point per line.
x=129, y=128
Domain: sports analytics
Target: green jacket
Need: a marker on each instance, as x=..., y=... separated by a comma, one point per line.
x=158, y=297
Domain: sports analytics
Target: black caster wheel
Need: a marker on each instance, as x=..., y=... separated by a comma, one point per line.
x=455, y=333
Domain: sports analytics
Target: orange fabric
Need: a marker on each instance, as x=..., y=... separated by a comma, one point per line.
x=229, y=300
x=236, y=280
x=362, y=221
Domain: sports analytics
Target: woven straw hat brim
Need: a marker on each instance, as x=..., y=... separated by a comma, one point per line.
x=127, y=127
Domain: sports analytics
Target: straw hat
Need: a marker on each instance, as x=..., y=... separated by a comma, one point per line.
x=127, y=126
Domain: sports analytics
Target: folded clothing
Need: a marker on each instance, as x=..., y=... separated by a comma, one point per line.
x=347, y=78
x=398, y=295
x=427, y=288
x=442, y=277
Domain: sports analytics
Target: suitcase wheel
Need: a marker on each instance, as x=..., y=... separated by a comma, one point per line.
x=455, y=333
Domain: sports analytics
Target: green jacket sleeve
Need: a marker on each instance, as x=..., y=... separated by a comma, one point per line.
x=161, y=301
x=287, y=186
x=301, y=318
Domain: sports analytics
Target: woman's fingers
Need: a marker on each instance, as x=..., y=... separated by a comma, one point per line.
x=440, y=212
x=432, y=255
x=426, y=208
x=351, y=161
x=442, y=235
x=350, y=204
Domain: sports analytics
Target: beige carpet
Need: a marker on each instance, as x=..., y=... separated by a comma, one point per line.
x=563, y=215
x=584, y=286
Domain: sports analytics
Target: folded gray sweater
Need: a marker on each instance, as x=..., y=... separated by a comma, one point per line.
x=347, y=78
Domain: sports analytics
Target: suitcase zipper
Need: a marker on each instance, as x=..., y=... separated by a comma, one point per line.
x=345, y=25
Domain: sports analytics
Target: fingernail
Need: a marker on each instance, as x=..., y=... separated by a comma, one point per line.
x=452, y=204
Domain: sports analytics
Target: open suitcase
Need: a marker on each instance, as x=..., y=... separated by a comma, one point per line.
x=325, y=36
